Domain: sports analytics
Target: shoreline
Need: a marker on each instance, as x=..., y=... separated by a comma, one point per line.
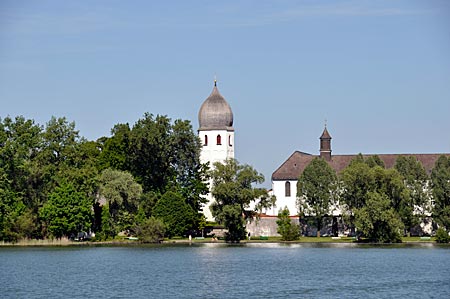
x=112, y=243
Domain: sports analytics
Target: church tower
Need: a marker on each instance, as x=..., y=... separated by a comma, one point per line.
x=216, y=133
x=325, y=145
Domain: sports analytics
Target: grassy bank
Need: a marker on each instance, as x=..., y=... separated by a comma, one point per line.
x=123, y=241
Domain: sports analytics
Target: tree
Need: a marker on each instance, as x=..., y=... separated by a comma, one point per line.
x=190, y=174
x=177, y=216
x=150, y=152
x=287, y=230
x=357, y=180
x=233, y=191
x=151, y=230
x=116, y=149
x=440, y=178
x=415, y=180
x=373, y=161
x=122, y=194
x=316, y=190
x=377, y=220
x=231, y=217
x=66, y=212
x=56, y=160
x=20, y=140
x=16, y=221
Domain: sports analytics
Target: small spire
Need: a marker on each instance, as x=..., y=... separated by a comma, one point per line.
x=215, y=80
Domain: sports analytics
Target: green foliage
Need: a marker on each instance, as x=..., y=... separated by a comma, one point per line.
x=150, y=152
x=161, y=155
x=378, y=221
x=177, y=216
x=35, y=160
x=359, y=184
x=316, y=190
x=373, y=161
x=151, y=230
x=440, y=178
x=233, y=192
x=66, y=212
x=442, y=236
x=232, y=219
x=357, y=180
x=415, y=179
x=107, y=225
x=115, y=150
x=190, y=174
x=287, y=230
x=122, y=194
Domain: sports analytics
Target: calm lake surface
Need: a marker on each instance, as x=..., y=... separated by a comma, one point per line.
x=226, y=271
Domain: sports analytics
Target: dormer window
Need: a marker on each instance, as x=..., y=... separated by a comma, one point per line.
x=219, y=140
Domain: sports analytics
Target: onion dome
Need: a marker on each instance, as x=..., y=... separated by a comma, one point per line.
x=215, y=113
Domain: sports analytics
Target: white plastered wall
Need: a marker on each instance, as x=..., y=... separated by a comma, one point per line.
x=213, y=152
x=278, y=188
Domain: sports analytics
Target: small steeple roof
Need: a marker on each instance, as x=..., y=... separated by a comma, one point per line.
x=325, y=134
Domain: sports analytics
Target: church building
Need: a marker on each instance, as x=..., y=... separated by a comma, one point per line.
x=284, y=179
x=216, y=133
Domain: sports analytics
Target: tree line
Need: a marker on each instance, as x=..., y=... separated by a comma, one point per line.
x=146, y=179
x=381, y=204
x=143, y=178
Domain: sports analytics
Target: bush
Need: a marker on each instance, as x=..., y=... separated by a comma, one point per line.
x=442, y=236
x=176, y=214
x=151, y=231
x=287, y=230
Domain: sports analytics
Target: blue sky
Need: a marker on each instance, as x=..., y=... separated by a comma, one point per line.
x=378, y=71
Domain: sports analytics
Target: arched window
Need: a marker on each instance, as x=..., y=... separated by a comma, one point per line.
x=219, y=140
x=206, y=140
x=287, y=189
x=229, y=141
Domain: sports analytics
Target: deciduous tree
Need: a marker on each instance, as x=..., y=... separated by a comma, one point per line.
x=66, y=212
x=233, y=191
x=377, y=220
x=177, y=216
x=440, y=178
x=415, y=179
x=316, y=191
x=122, y=193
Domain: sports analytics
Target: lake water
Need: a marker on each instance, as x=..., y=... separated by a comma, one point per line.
x=226, y=271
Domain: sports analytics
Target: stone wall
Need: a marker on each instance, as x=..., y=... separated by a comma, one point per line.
x=266, y=226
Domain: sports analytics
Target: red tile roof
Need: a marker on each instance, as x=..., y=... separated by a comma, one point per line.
x=296, y=163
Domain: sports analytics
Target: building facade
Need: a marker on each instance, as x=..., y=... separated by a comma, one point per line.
x=216, y=133
x=284, y=179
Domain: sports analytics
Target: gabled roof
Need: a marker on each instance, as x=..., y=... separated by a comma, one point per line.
x=296, y=163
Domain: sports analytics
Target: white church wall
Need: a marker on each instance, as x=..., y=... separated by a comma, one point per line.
x=278, y=188
x=212, y=152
